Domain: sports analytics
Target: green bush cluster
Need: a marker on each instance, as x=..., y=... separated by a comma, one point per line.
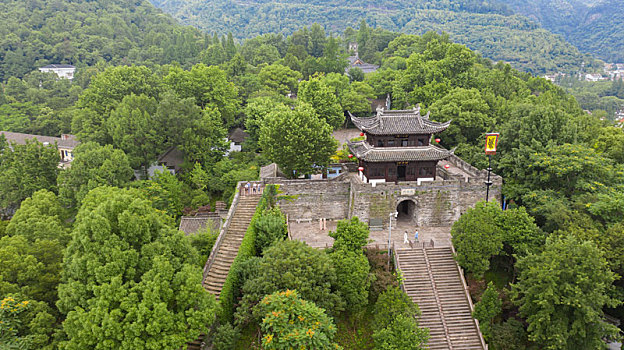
x=395, y=325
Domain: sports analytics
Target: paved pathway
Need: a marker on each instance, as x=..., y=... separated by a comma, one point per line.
x=310, y=233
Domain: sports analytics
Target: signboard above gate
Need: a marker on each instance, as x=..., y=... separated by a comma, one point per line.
x=408, y=192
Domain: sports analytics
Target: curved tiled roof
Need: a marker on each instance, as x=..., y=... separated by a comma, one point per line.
x=390, y=122
x=366, y=152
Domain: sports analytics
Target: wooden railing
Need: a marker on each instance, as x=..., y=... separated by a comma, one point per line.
x=467, y=294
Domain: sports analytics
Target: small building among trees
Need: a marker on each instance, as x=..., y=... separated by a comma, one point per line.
x=62, y=70
x=397, y=146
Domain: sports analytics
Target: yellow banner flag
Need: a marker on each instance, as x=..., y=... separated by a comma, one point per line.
x=491, y=141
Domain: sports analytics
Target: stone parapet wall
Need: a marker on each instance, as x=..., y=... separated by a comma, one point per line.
x=436, y=203
x=313, y=199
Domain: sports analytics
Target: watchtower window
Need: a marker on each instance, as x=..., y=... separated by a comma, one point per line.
x=421, y=141
x=379, y=143
x=403, y=143
x=390, y=143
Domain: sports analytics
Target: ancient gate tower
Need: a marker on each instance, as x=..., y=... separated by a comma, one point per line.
x=397, y=146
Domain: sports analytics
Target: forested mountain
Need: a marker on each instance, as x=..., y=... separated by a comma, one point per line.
x=91, y=257
x=594, y=26
x=489, y=28
x=34, y=33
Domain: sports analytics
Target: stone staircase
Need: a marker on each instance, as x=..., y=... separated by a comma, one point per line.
x=229, y=244
x=432, y=279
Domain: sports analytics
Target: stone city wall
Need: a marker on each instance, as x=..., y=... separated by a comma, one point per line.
x=313, y=199
x=436, y=203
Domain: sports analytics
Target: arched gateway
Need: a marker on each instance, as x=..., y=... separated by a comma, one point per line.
x=406, y=209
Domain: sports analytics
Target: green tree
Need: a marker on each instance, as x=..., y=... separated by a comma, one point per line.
x=105, y=92
x=31, y=268
x=356, y=74
x=353, y=272
x=205, y=141
x=394, y=322
x=172, y=118
x=293, y=265
x=39, y=217
x=210, y=88
x=131, y=127
x=402, y=334
x=203, y=241
x=350, y=235
x=610, y=142
x=562, y=291
x=93, y=166
x=297, y=140
x=25, y=169
x=130, y=279
x=25, y=324
x=391, y=304
x=290, y=322
x=477, y=237
x=256, y=110
x=320, y=97
x=470, y=114
x=279, y=78
x=488, y=308
x=270, y=227
x=165, y=192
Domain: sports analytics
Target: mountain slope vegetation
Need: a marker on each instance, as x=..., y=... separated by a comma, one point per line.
x=34, y=33
x=490, y=28
x=596, y=27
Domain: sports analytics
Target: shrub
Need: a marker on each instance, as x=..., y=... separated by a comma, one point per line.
x=350, y=235
x=203, y=241
x=401, y=334
x=353, y=272
x=289, y=322
x=225, y=337
x=293, y=265
x=270, y=227
x=382, y=278
x=391, y=304
x=394, y=322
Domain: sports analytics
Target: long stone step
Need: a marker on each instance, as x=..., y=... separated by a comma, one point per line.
x=431, y=279
x=232, y=239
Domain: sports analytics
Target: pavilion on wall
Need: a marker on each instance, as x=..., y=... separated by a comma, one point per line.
x=397, y=146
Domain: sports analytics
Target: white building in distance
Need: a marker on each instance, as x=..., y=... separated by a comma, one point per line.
x=62, y=70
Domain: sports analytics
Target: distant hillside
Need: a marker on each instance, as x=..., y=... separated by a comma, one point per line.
x=594, y=26
x=487, y=27
x=34, y=33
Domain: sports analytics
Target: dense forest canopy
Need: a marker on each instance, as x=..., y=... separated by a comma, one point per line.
x=487, y=27
x=35, y=33
x=595, y=27
x=93, y=250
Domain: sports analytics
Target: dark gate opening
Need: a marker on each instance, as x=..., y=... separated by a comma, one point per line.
x=406, y=210
x=401, y=172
